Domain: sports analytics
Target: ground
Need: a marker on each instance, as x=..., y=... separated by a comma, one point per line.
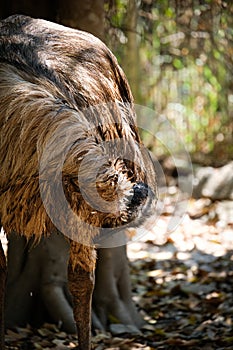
x=182, y=283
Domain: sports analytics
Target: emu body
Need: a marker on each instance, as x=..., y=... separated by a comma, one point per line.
x=70, y=153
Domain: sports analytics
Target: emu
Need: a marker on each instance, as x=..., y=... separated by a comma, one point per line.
x=70, y=152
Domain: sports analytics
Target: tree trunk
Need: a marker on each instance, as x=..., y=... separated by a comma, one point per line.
x=112, y=294
x=131, y=57
x=37, y=289
x=85, y=15
x=41, y=9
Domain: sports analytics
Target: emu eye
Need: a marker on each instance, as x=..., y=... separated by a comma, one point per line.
x=130, y=173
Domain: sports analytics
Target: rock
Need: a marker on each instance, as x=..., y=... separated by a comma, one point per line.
x=214, y=183
x=201, y=176
x=224, y=210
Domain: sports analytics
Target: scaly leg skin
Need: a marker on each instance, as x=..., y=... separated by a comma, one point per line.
x=81, y=284
x=2, y=296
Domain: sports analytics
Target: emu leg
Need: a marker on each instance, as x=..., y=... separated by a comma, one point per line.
x=2, y=295
x=81, y=284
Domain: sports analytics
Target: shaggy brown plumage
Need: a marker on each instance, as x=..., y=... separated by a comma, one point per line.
x=70, y=152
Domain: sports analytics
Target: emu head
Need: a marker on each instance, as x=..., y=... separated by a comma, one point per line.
x=108, y=176
x=95, y=174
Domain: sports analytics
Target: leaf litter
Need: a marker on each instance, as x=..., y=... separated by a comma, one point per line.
x=182, y=285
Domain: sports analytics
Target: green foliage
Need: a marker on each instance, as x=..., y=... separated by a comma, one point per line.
x=186, y=68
